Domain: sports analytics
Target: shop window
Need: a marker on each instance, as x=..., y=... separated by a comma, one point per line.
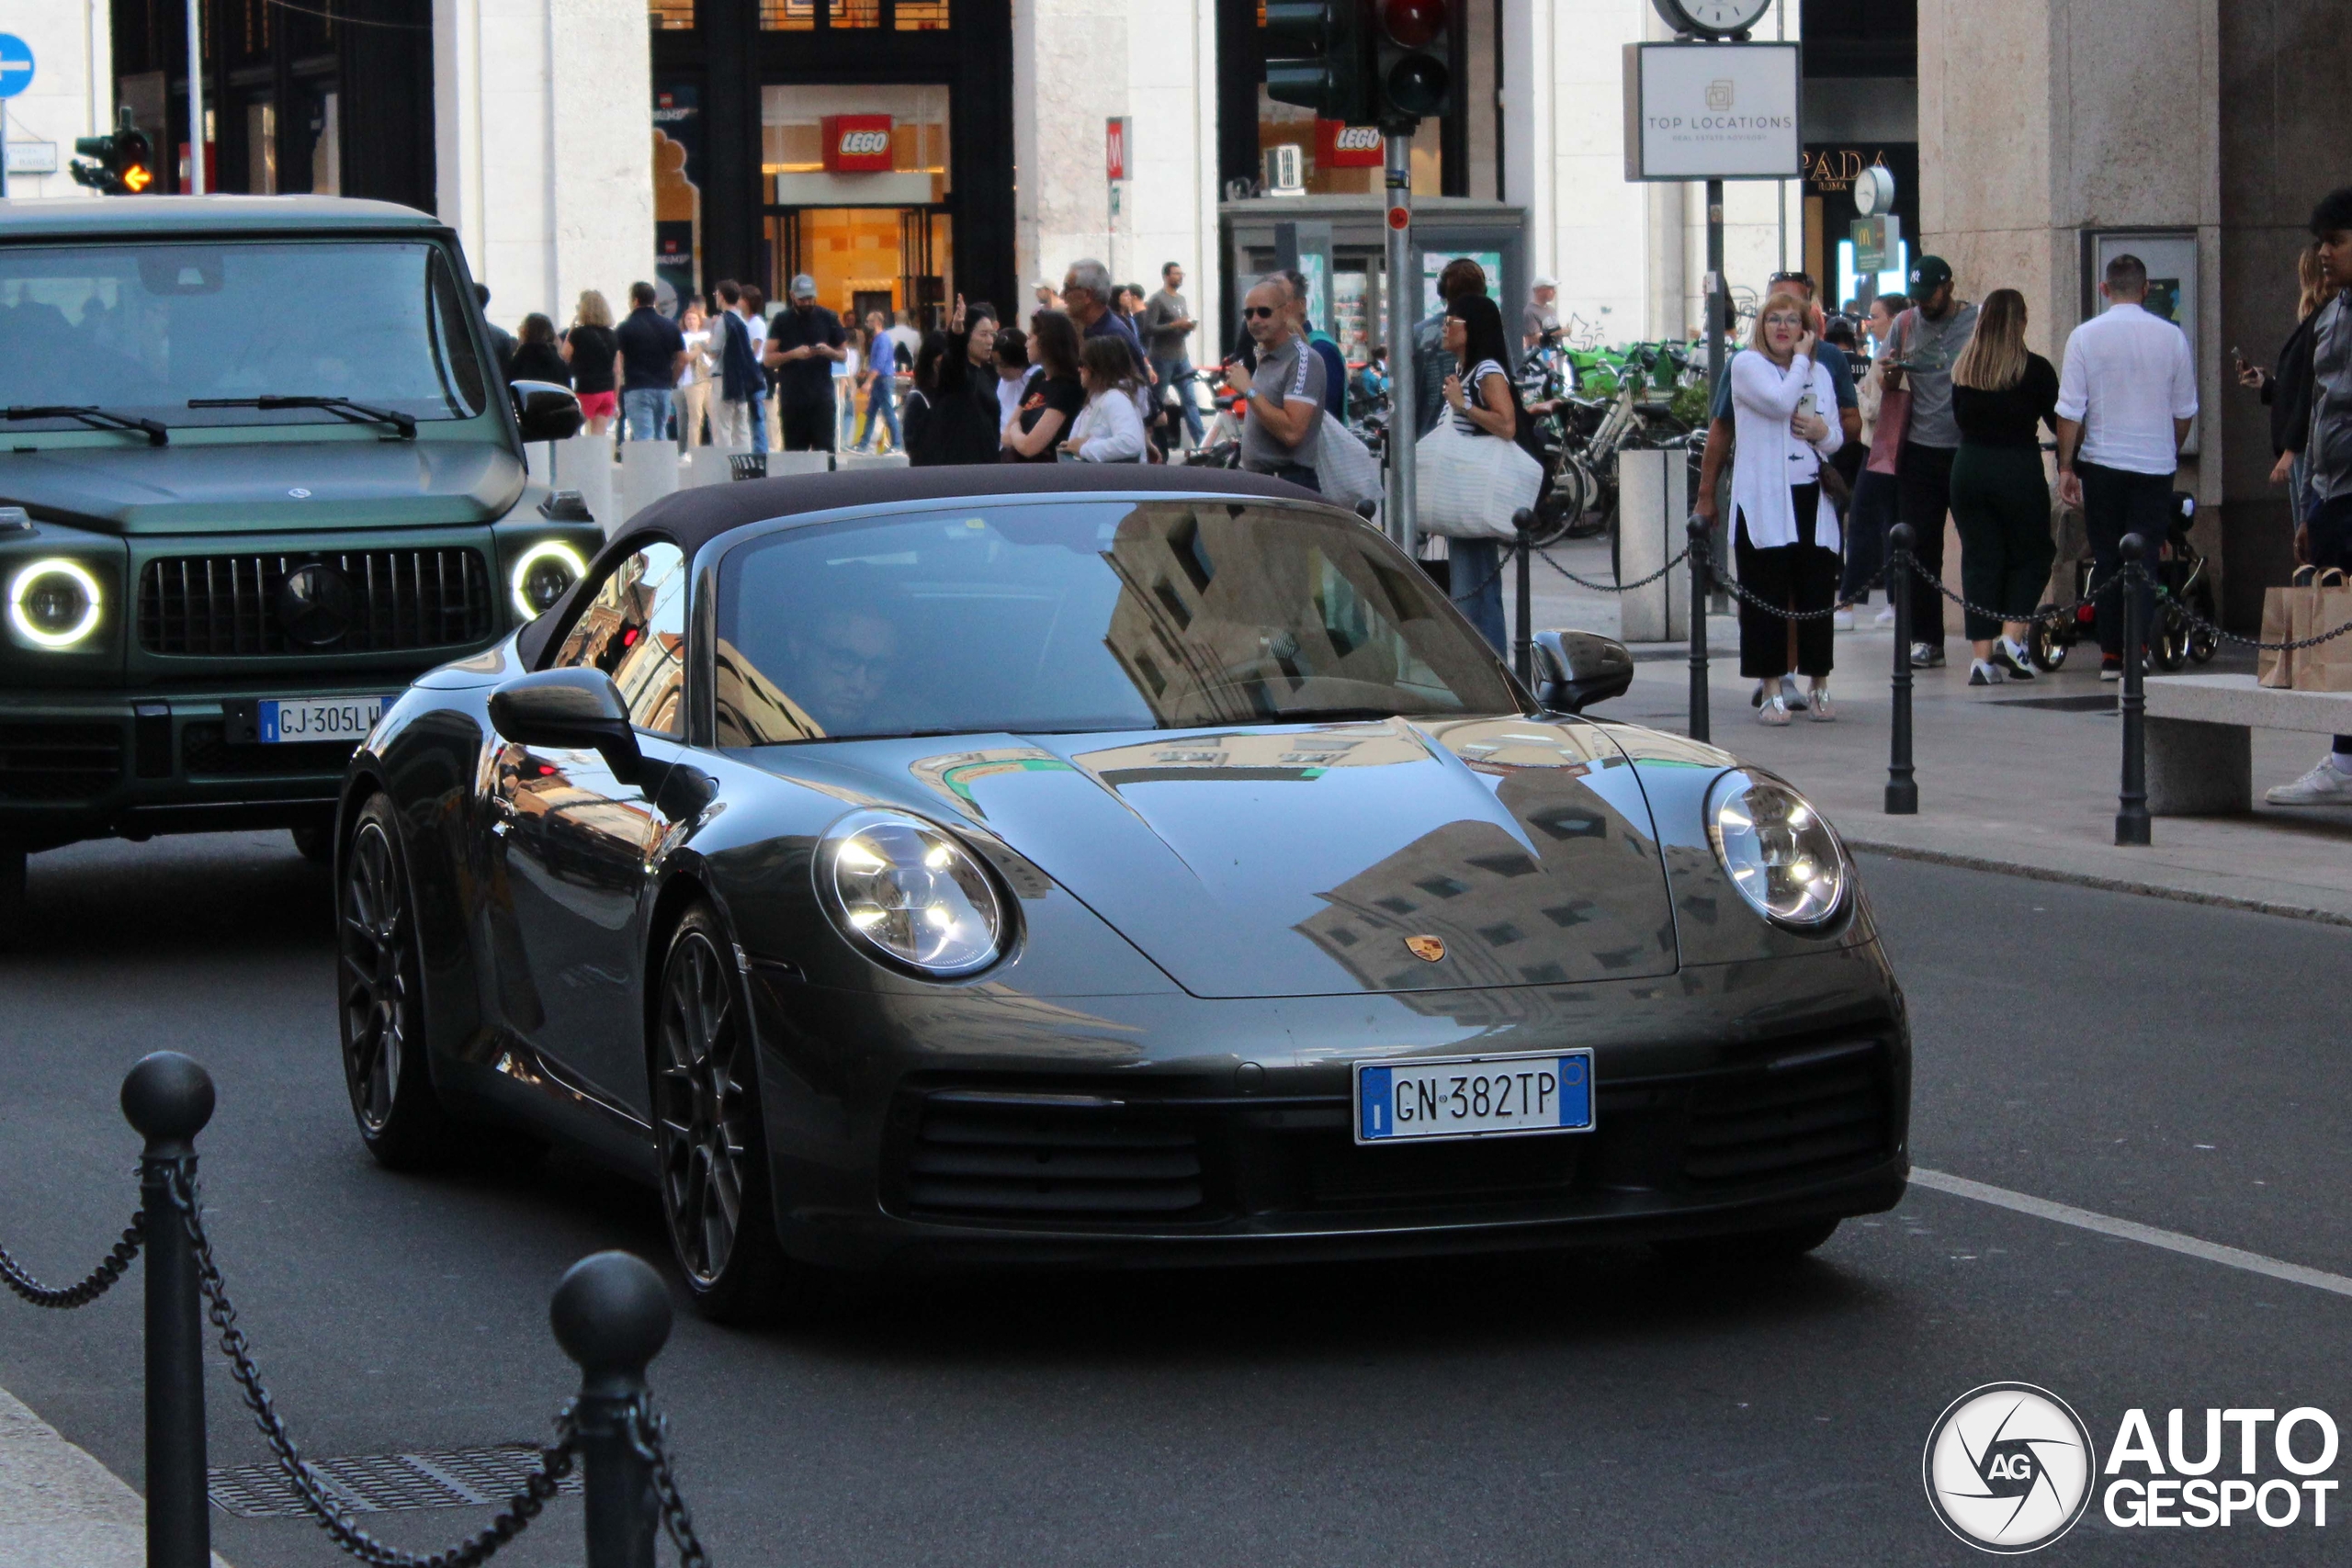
x=672, y=15
x=788, y=16
x=792, y=142
x=857, y=13
x=922, y=15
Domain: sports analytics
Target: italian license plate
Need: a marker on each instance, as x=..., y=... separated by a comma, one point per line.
x=1474, y=1097
x=291, y=720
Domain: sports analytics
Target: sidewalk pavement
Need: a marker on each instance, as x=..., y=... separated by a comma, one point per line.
x=2020, y=778
x=59, y=1507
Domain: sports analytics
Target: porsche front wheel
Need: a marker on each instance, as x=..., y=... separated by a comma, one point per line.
x=400, y=1118
x=713, y=1153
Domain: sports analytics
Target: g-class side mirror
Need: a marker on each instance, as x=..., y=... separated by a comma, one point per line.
x=571, y=709
x=544, y=411
x=1575, y=670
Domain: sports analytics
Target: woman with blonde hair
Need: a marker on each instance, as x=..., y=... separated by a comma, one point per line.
x=2002, y=393
x=590, y=348
x=2287, y=393
x=1784, y=531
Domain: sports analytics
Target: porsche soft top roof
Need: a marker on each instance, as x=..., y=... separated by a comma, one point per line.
x=693, y=517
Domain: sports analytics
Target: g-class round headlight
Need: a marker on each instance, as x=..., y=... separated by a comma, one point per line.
x=543, y=575
x=53, y=603
x=911, y=893
x=1779, y=853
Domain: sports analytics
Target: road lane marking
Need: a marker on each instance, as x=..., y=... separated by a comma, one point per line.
x=2131, y=1230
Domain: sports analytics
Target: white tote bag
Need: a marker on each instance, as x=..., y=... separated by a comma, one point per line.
x=1344, y=468
x=1467, y=487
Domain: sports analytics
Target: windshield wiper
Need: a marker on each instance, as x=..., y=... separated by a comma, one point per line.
x=344, y=408
x=157, y=434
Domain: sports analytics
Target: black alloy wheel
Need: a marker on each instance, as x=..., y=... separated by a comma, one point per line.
x=400, y=1118
x=706, y=1121
x=2044, y=644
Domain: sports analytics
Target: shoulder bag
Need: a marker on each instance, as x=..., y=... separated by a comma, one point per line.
x=1468, y=487
x=1894, y=405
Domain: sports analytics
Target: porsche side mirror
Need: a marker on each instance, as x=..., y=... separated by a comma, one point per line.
x=573, y=710
x=544, y=411
x=1575, y=670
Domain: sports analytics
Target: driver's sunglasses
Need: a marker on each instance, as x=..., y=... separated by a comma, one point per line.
x=1259, y=312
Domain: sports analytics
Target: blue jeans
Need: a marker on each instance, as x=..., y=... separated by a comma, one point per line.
x=1171, y=374
x=759, y=421
x=1475, y=581
x=645, y=414
x=881, y=404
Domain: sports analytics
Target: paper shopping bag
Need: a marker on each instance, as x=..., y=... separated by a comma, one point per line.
x=2277, y=667
x=2327, y=666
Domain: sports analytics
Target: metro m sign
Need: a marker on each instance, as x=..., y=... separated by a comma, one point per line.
x=1338, y=146
x=1117, y=134
x=857, y=143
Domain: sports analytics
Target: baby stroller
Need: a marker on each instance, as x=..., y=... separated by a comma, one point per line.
x=2187, y=580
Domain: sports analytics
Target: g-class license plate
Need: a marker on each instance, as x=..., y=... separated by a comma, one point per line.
x=1474, y=1097
x=290, y=720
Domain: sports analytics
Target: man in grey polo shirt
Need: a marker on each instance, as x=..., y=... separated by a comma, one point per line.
x=1283, y=429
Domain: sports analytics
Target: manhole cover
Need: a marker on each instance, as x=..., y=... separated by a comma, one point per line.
x=377, y=1483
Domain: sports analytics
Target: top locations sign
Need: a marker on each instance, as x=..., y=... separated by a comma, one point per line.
x=1712, y=111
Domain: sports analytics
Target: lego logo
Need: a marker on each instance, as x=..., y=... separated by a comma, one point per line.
x=1358, y=138
x=864, y=143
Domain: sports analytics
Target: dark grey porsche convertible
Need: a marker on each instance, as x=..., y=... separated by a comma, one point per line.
x=1072, y=865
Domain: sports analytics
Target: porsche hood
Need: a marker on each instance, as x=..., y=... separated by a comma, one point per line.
x=1305, y=861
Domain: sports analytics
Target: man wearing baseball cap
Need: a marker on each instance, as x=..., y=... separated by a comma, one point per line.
x=1919, y=357
x=1542, y=313
x=805, y=342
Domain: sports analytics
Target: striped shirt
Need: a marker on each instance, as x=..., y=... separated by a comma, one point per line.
x=1472, y=386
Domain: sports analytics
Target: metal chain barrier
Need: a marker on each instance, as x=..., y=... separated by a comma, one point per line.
x=2209, y=629
x=1739, y=590
x=2047, y=612
x=555, y=1461
x=1613, y=587
x=84, y=1290
x=648, y=1434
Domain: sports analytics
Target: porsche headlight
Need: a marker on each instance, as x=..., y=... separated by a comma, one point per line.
x=55, y=603
x=1778, y=851
x=911, y=893
x=546, y=573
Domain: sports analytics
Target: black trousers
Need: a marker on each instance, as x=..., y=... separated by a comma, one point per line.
x=1872, y=514
x=1923, y=478
x=808, y=424
x=1802, y=576
x=2117, y=502
x=2000, y=502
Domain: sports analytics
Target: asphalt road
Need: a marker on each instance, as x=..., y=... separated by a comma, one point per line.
x=2159, y=1061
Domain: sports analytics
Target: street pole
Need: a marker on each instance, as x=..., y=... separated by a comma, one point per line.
x=1404, y=293
x=196, y=97
x=1718, y=300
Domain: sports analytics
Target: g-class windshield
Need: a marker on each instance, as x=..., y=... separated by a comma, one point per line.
x=156, y=332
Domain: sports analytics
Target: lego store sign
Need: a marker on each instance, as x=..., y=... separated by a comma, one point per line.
x=857, y=145
x=1338, y=146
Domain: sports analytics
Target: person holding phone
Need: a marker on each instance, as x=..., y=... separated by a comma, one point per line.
x=1784, y=531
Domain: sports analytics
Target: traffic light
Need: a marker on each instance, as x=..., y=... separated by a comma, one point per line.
x=1319, y=58
x=1412, y=61
x=124, y=162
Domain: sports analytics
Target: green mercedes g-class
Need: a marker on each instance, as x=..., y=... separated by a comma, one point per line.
x=259, y=469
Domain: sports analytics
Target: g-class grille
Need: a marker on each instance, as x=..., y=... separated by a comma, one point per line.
x=340, y=601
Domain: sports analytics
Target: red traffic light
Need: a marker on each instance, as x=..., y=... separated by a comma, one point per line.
x=1416, y=24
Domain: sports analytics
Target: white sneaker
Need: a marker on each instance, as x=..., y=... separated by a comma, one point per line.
x=1842, y=620
x=2323, y=785
x=1886, y=618
x=1821, y=710
x=1773, y=711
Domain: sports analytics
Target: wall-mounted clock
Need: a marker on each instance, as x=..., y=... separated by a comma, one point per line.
x=1712, y=18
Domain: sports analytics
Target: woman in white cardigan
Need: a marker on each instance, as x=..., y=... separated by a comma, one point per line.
x=1109, y=428
x=1784, y=531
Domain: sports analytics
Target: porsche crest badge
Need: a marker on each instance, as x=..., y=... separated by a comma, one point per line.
x=1428, y=949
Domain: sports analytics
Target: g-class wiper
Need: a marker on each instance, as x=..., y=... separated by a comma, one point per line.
x=157, y=434
x=357, y=414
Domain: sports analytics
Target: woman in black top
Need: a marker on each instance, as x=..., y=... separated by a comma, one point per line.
x=1051, y=404
x=592, y=348
x=2001, y=396
x=536, y=357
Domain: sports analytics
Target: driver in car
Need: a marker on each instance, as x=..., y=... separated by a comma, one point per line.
x=841, y=664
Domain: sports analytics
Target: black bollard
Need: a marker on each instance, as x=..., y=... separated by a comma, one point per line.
x=1698, y=532
x=1522, y=646
x=1901, y=787
x=168, y=1098
x=611, y=1314
x=2132, y=811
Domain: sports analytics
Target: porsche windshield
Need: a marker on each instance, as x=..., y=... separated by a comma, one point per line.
x=140, y=329
x=1073, y=616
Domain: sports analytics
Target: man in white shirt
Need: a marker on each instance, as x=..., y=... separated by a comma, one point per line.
x=2126, y=400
